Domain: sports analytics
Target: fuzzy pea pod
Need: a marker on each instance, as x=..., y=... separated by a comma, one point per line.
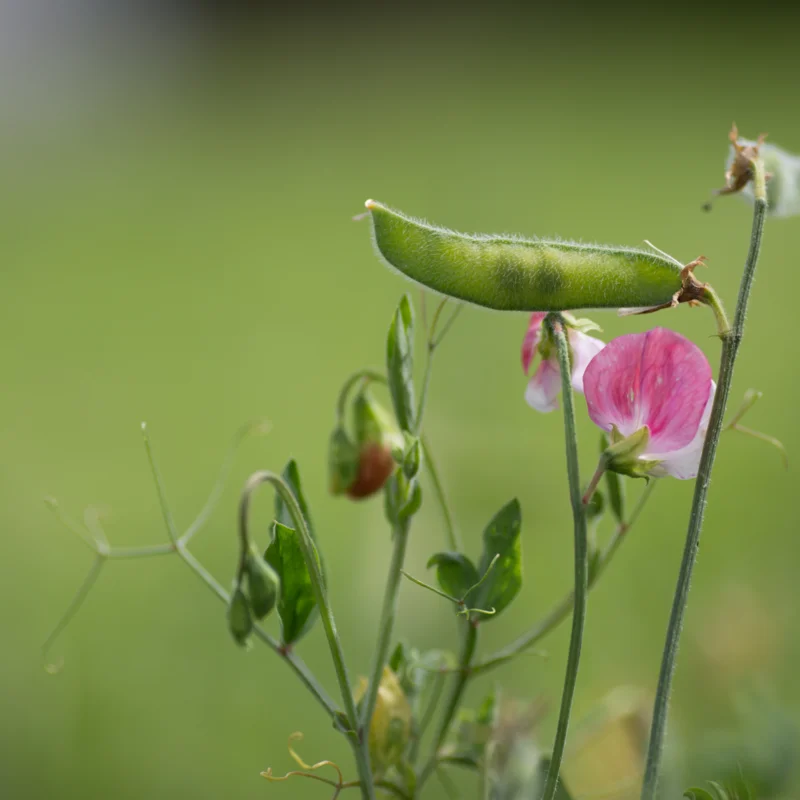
x=509, y=273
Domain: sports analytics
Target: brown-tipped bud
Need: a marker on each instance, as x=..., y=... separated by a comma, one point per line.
x=375, y=466
x=361, y=468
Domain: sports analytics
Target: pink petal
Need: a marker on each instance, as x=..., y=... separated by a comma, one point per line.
x=531, y=340
x=684, y=463
x=544, y=386
x=584, y=349
x=659, y=379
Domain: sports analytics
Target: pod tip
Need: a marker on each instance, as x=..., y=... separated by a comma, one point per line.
x=371, y=204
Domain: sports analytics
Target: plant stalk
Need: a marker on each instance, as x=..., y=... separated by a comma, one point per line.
x=556, y=326
x=730, y=347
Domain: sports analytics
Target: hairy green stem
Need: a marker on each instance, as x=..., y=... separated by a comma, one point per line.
x=730, y=346
x=463, y=673
x=556, y=327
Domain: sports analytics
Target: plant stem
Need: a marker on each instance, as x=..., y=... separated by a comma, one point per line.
x=453, y=537
x=730, y=346
x=386, y=625
x=556, y=327
x=311, y=558
x=362, y=374
x=295, y=663
x=468, y=644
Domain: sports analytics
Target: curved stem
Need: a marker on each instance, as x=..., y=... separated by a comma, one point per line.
x=556, y=327
x=453, y=537
x=362, y=374
x=311, y=558
x=73, y=608
x=730, y=347
x=297, y=665
x=469, y=642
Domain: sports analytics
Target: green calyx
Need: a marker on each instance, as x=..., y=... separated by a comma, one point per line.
x=623, y=456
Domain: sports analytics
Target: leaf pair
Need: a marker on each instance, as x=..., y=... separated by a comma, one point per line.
x=498, y=578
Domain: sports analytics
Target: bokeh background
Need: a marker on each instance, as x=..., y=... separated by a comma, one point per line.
x=176, y=246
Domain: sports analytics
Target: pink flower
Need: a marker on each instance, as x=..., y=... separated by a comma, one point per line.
x=660, y=381
x=545, y=383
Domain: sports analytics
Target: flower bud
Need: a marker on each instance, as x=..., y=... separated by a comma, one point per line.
x=412, y=458
x=361, y=468
x=262, y=584
x=783, y=172
x=390, y=728
x=343, y=461
x=240, y=621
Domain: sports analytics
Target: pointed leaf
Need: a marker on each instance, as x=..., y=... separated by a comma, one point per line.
x=503, y=582
x=297, y=607
x=291, y=474
x=400, y=364
x=454, y=572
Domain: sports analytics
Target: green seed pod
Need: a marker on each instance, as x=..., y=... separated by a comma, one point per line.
x=263, y=584
x=240, y=622
x=510, y=273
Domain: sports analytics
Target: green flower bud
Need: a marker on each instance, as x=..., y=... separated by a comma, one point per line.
x=263, y=585
x=361, y=468
x=343, y=461
x=390, y=728
x=240, y=621
x=412, y=457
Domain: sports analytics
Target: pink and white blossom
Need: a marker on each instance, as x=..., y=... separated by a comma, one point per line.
x=545, y=383
x=657, y=380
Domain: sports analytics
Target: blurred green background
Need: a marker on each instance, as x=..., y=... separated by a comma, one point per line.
x=177, y=247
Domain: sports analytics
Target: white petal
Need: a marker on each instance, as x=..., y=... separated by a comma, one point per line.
x=684, y=463
x=544, y=386
x=584, y=349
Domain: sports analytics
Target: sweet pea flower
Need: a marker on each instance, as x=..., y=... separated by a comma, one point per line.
x=653, y=393
x=545, y=383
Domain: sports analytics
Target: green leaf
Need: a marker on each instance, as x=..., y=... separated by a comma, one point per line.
x=455, y=573
x=615, y=488
x=297, y=607
x=413, y=501
x=400, y=364
x=501, y=540
x=291, y=474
